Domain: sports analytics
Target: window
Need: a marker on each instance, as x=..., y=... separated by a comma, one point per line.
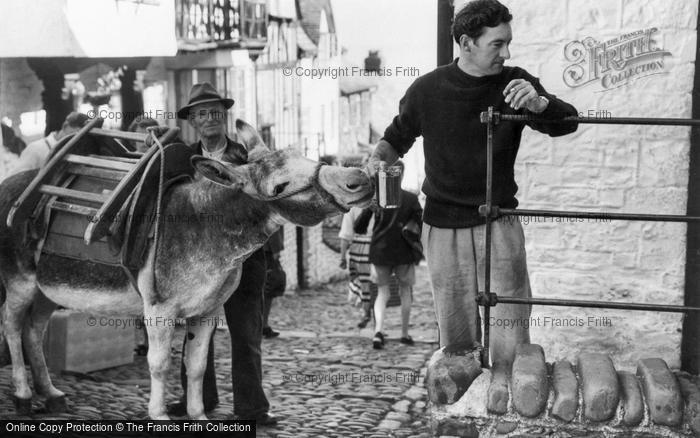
x=207, y=75
x=254, y=19
x=206, y=20
x=32, y=124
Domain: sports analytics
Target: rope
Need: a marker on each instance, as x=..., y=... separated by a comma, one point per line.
x=159, y=198
x=308, y=185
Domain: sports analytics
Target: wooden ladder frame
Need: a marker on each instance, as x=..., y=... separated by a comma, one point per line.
x=120, y=165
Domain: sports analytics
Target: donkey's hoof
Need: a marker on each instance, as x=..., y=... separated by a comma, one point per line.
x=56, y=405
x=23, y=406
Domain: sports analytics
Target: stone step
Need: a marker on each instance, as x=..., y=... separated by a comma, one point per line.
x=672, y=401
x=599, y=386
x=529, y=380
x=498, y=389
x=661, y=391
x=450, y=375
x=565, y=391
x=631, y=399
x=691, y=395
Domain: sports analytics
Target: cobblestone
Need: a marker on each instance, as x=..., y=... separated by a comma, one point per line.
x=322, y=376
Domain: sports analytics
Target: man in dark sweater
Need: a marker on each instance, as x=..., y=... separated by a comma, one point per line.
x=444, y=106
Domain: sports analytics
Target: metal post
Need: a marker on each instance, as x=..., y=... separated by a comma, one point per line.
x=596, y=215
x=658, y=121
x=445, y=11
x=690, y=338
x=487, y=238
x=301, y=258
x=599, y=304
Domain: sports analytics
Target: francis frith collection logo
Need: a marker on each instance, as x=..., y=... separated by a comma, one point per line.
x=615, y=62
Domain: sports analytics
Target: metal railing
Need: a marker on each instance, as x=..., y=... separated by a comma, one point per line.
x=488, y=299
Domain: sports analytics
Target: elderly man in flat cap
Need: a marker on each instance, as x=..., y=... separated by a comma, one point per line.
x=206, y=113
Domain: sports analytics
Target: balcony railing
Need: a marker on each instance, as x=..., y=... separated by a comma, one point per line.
x=206, y=21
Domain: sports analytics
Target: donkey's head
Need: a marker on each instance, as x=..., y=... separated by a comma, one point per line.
x=300, y=190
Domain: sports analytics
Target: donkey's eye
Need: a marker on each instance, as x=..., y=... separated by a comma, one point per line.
x=279, y=188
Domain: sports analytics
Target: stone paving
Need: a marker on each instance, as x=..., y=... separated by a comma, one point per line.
x=321, y=375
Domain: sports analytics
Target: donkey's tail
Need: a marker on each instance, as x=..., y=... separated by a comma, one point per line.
x=12, y=248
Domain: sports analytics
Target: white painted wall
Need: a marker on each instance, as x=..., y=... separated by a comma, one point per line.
x=614, y=168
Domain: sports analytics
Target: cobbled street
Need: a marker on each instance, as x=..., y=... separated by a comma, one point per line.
x=321, y=375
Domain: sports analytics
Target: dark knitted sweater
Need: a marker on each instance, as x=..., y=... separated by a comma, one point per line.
x=444, y=106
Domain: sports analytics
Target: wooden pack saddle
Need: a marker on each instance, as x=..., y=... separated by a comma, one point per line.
x=95, y=200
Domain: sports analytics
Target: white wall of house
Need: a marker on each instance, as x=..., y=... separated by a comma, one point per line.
x=20, y=92
x=319, y=109
x=242, y=87
x=320, y=97
x=614, y=168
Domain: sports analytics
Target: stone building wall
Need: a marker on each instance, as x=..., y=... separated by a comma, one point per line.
x=612, y=168
x=321, y=262
x=20, y=91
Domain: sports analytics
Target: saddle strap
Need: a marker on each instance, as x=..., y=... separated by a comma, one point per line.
x=132, y=269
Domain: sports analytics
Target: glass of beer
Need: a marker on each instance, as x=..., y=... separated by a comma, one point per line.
x=389, y=186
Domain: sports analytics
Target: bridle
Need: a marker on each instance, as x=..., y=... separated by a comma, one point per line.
x=312, y=183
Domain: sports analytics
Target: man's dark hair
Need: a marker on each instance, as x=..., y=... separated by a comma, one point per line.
x=75, y=120
x=477, y=14
x=11, y=141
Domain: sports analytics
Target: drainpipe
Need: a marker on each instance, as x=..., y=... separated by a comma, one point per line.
x=445, y=11
x=690, y=343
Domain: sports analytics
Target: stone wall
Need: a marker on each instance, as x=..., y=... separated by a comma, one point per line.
x=288, y=257
x=321, y=262
x=613, y=168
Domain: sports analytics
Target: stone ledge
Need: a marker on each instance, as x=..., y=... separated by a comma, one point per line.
x=450, y=375
x=631, y=399
x=661, y=391
x=529, y=380
x=565, y=391
x=603, y=389
x=599, y=386
x=691, y=395
x=498, y=395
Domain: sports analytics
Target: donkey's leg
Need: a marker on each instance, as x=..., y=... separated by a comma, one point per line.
x=199, y=332
x=20, y=294
x=160, y=335
x=4, y=349
x=33, y=337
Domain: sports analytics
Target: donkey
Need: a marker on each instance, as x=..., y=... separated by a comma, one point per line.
x=189, y=275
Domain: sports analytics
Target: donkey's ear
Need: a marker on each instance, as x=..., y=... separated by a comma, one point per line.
x=220, y=173
x=251, y=139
